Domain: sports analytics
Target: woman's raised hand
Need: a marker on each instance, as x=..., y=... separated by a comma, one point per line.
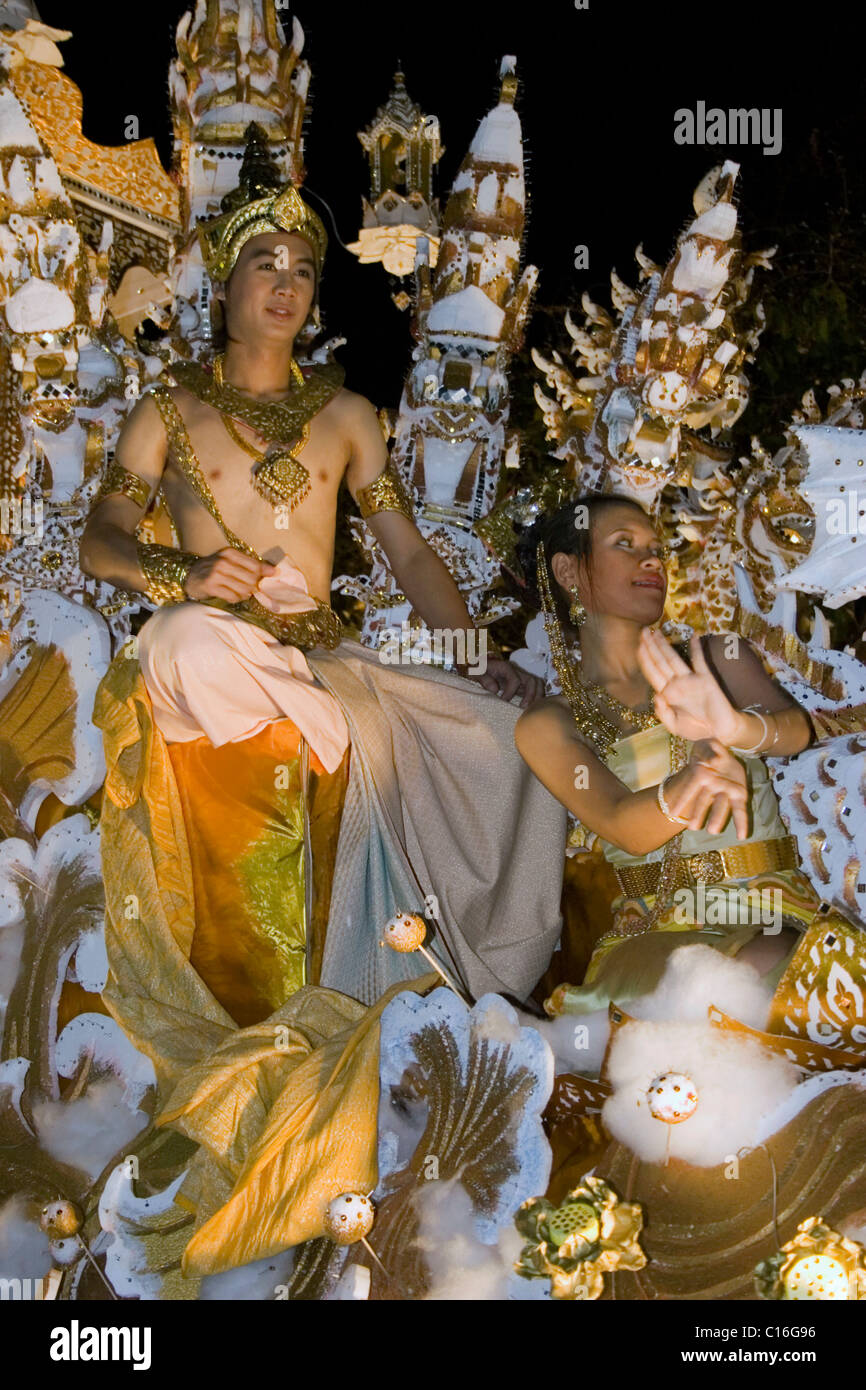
x=688, y=699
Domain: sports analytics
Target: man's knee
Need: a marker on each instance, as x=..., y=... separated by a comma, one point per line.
x=177, y=631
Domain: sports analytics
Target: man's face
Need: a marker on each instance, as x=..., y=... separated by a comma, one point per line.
x=271, y=290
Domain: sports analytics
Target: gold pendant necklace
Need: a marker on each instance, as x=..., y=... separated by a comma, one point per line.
x=641, y=718
x=590, y=719
x=279, y=422
x=278, y=475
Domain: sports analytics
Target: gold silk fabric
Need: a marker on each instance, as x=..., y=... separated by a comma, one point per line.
x=289, y=1111
x=621, y=968
x=245, y=802
x=210, y=917
x=285, y=1109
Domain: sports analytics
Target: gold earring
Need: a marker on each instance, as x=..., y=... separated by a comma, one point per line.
x=577, y=612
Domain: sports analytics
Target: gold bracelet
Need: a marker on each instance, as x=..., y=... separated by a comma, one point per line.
x=663, y=805
x=165, y=571
x=118, y=481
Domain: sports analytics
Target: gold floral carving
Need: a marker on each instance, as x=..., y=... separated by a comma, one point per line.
x=822, y=995
x=818, y=1263
x=589, y=1234
x=131, y=173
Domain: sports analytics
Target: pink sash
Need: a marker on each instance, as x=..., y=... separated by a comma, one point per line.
x=208, y=672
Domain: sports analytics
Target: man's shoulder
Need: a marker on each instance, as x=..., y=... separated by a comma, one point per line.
x=351, y=413
x=144, y=416
x=350, y=404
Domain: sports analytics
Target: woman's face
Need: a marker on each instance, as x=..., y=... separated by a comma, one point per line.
x=626, y=576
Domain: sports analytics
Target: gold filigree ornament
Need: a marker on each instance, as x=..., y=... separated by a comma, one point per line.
x=386, y=493
x=278, y=475
x=280, y=422
x=589, y=1234
x=822, y=995
x=817, y=1264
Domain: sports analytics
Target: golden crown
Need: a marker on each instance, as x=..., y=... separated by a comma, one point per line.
x=259, y=204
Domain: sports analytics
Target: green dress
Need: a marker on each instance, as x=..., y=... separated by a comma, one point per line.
x=725, y=915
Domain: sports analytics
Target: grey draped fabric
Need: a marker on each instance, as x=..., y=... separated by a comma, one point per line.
x=439, y=802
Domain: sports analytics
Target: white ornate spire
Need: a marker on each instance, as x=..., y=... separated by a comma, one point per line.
x=451, y=438
x=234, y=65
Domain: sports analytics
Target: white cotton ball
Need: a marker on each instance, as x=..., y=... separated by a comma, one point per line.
x=578, y=1041
x=461, y=1268
x=737, y=1082
x=24, y=1246
x=67, y=1251
x=88, y=1131
x=696, y=977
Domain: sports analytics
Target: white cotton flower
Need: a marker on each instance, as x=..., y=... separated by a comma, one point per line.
x=696, y=977
x=737, y=1080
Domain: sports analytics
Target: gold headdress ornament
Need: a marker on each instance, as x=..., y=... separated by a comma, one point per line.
x=259, y=204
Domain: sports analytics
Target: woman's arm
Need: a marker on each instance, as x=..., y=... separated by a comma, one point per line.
x=709, y=698
x=741, y=674
x=710, y=790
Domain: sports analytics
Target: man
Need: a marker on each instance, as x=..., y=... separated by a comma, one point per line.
x=226, y=703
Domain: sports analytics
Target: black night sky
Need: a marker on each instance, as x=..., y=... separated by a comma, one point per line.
x=599, y=88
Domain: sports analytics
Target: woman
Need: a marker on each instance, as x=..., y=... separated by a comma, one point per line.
x=661, y=760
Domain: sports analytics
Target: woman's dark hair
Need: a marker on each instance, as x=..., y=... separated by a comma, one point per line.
x=560, y=532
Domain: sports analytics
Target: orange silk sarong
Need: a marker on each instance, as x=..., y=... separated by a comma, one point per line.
x=259, y=923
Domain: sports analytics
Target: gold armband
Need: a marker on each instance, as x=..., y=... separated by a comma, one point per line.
x=117, y=479
x=165, y=571
x=387, y=493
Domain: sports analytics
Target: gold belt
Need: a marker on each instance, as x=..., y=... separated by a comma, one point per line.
x=713, y=866
x=315, y=627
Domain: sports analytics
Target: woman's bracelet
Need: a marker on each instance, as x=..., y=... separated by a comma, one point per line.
x=663, y=805
x=756, y=748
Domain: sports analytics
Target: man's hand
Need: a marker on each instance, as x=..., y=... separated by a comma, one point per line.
x=507, y=680
x=227, y=574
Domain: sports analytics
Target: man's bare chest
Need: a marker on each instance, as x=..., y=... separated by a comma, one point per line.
x=221, y=470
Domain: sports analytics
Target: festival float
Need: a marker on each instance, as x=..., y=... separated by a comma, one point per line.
x=705, y=1140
